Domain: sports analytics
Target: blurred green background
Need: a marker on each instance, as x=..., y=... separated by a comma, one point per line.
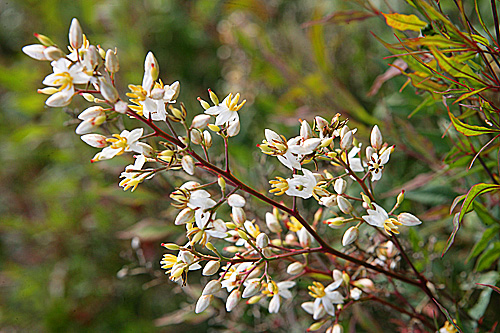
x=66, y=260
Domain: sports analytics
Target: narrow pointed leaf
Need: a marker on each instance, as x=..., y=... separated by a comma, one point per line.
x=404, y=22
x=470, y=130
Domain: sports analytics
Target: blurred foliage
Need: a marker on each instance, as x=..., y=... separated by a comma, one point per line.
x=66, y=259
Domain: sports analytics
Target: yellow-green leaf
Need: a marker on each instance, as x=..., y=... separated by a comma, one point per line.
x=404, y=22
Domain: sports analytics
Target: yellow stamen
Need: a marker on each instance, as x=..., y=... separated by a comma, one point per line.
x=317, y=290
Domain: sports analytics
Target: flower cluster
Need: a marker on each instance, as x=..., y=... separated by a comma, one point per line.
x=240, y=249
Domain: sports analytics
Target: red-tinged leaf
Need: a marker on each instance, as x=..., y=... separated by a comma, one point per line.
x=341, y=17
x=495, y=288
x=451, y=239
x=470, y=130
x=448, y=316
x=434, y=40
x=456, y=201
x=473, y=193
x=481, y=150
x=404, y=22
x=469, y=94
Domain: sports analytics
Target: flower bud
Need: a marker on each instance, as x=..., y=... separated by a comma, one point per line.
x=239, y=215
x=88, y=97
x=204, y=104
x=337, y=329
x=222, y=183
x=207, y=138
x=254, y=300
x=401, y=197
x=213, y=97
x=53, y=53
x=340, y=186
x=212, y=287
x=242, y=234
x=335, y=222
x=376, y=138
x=111, y=61
x=236, y=200
x=272, y=223
x=355, y=293
x=350, y=236
x=214, y=128
x=46, y=41
x=320, y=123
x=109, y=92
x=344, y=205
x=211, y=268
x=75, y=34
x=151, y=66
x=203, y=303
x=35, y=51
x=185, y=216
x=329, y=201
x=47, y=90
x=233, y=300
x=364, y=284
x=188, y=165
x=233, y=129
x=337, y=275
x=408, y=219
x=315, y=326
x=195, y=137
x=94, y=140
x=262, y=240
x=326, y=142
x=251, y=289
x=305, y=130
x=171, y=246
x=295, y=268
x=346, y=141
x=200, y=121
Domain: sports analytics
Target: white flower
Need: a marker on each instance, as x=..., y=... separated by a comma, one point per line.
x=65, y=76
x=236, y=200
x=280, y=290
x=227, y=111
x=301, y=186
x=376, y=138
x=353, y=161
x=355, y=293
x=233, y=300
x=203, y=303
x=350, y=236
x=124, y=142
x=325, y=298
x=376, y=163
x=133, y=175
x=92, y=118
x=380, y=218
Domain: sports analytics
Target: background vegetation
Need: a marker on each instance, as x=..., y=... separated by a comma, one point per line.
x=66, y=260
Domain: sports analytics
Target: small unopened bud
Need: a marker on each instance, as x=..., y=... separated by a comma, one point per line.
x=222, y=183
x=254, y=300
x=326, y=142
x=171, y=246
x=337, y=275
x=47, y=90
x=408, y=219
x=376, y=138
x=337, y=329
x=305, y=130
x=233, y=300
x=230, y=225
x=212, y=287
x=88, y=97
x=53, y=53
x=295, y=268
x=320, y=122
x=188, y=165
x=251, y=289
x=207, y=138
x=185, y=216
x=95, y=140
x=35, y=51
x=211, y=268
x=262, y=240
x=213, y=97
x=75, y=34
x=350, y=236
x=107, y=90
x=195, y=137
x=344, y=205
x=151, y=66
x=46, y=41
x=239, y=216
x=340, y=186
x=366, y=199
x=346, y=141
x=346, y=278
x=364, y=284
x=233, y=129
x=203, y=303
x=236, y=200
x=214, y=128
x=315, y=326
x=204, y=104
x=177, y=115
x=335, y=222
x=242, y=234
x=200, y=121
x=401, y=197
x=272, y=223
x=111, y=61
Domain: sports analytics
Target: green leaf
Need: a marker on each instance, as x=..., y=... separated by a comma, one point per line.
x=482, y=244
x=469, y=94
x=473, y=193
x=404, y=22
x=470, y=130
x=488, y=257
x=451, y=239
